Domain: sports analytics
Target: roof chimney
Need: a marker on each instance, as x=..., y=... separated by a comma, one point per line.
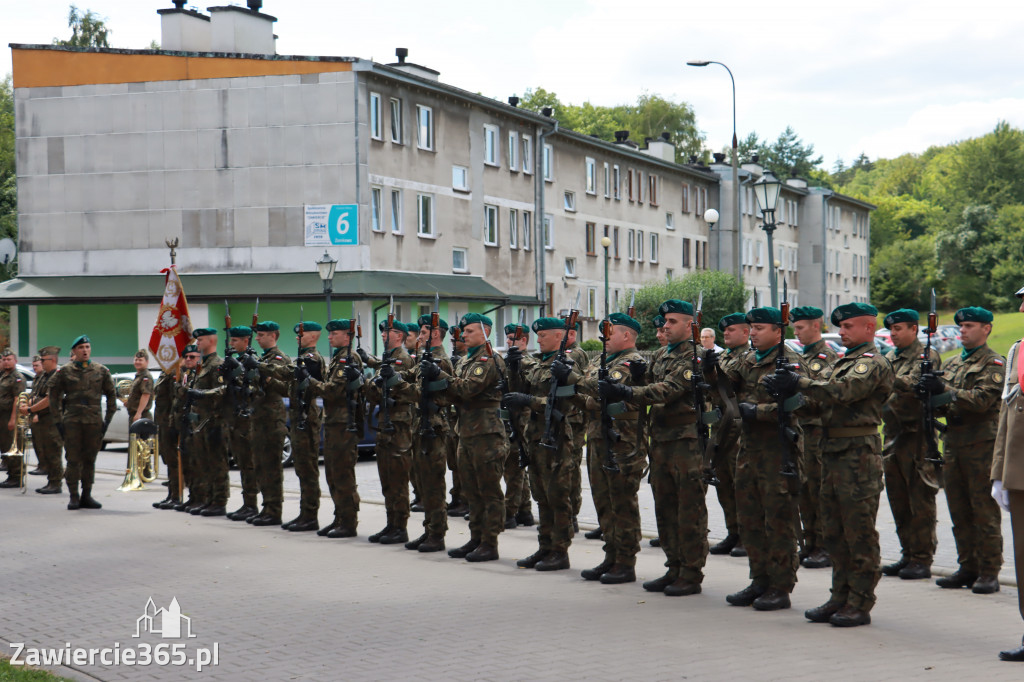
x=513, y=101
x=255, y=5
x=661, y=148
x=401, y=53
x=754, y=165
x=179, y=4
x=547, y=111
x=236, y=29
x=719, y=157
x=621, y=136
x=666, y=136
x=415, y=69
x=184, y=30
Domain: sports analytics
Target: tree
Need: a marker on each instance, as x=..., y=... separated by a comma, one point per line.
x=902, y=217
x=8, y=180
x=963, y=261
x=902, y=274
x=786, y=155
x=88, y=29
x=723, y=294
x=1005, y=252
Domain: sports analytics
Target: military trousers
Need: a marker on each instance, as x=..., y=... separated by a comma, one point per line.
x=81, y=445
x=615, y=498
x=167, y=439
x=268, y=435
x=976, y=518
x=1017, y=524
x=911, y=500
x=306, y=461
x=810, y=486
x=679, y=505
x=767, y=511
x=341, y=451
x=725, y=470
x=481, y=462
x=240, y=447
x=579, y=438
x=48, y=445
x=517, y=486
x=6, y=434
x=452, y=443
x=394, y=466
x=429, y=462
x=552, y=473
x=851, y=484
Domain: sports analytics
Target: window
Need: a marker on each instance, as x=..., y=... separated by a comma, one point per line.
x=592, y=302
x=376, y=128
x=616, y=183
x=375, y=209
x=615, y=242
x=396, y=120
x=546, y=163
x=490, y=225
x=670, y=221
x=396, y=211
x=639, y=245
x=686, y=252
x=549, y=243
x=591, y=166
x=652, y=189
x=629, y=185
x=527, y=154
x=654, y=247
x=527, y=230
x=425, y=215
x=460, y=260
x=615, y=299
x=686, y=198
x=702, y=200
x=460, y=178
x=570, y=267
x=760, y=254
x=591, y=239
x=640, y=186
x=513, y=228
x=794, y=215
x=491, y=145
x=570, y=201
x=856, y=262
x=513, y=150
x=424, y=127
x=607, y=182
x=630, y=243
x=669, y=273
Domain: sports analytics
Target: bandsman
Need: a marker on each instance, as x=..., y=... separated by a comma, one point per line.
x=46, y=439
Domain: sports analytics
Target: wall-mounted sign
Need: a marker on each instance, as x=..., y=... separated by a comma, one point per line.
x=332, y=225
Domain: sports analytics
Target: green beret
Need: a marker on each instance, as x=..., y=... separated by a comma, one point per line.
x=395, y=325
x=542, y=323
x=731, y=319
x=307, y=327
x=80, y=340
x=624, y=320
x=190, y=348
x=972, y=314
x=268, y=326
x=805, y=312
x=658, y=321
x=579, y=327
x=764, y=315
x=240, y=332
x=850, y=310
x=674, y=305
x=474, y=318
x=901, y=315
x=205, y=331
x=424, y=321
x=339, y=325
x=510, y=329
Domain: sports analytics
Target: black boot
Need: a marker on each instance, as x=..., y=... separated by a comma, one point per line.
x=596, y=572
x=525, y=517
x=726, y=545
x=618, y=574
x=87, y=502
x=461, y=552
x=75, y=502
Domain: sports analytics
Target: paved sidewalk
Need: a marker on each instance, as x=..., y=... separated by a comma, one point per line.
x=292, y=606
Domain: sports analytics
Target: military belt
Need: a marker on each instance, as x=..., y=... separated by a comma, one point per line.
x=851, y=431
x=669, y=420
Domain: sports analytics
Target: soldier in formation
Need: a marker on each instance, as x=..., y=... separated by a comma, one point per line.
x=305, y=418
x=46, y=439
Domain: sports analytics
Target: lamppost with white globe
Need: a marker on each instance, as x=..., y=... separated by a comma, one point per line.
x=711, y=217
x=325, y=268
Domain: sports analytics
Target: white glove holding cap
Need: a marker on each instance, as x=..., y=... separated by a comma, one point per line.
x=1001, y=496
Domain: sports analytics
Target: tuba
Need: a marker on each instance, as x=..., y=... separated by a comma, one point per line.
x=19, y=448
x=123, y=389
x=143, y=456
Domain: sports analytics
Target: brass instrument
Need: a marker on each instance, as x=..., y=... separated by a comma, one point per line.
x=123, y=389
x=19, y=448
x=143, y=456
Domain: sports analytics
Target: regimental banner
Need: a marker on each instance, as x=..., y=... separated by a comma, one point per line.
x=332, y=225
x=173, y=328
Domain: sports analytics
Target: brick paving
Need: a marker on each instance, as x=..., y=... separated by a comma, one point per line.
x=286, y=606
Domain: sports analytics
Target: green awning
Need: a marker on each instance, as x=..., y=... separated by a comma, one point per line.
x=352, y=285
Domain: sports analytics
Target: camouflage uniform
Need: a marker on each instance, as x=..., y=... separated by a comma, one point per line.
x=851, y=470
x=910, y=482
x=431, y=451
x=184, y=423
x=676, y=462
x=11, y=386
x=167, y=431
x=211, y=458
x=728, y=447
x=341, y=446
x=269, y=430
x=577, y=420
x=517, y=483
x=765, y=502
x=615, y=494
x=453, y=444
x=819, y=359
x=483, y=446
x=394, y=448
x=46, y=439
x=76, y=390
x=972, y=420
x=142, y=385
x=306, y=441
x=239, y=428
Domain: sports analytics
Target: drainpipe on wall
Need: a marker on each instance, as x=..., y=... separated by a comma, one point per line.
x=538, y=214
x=825, y=196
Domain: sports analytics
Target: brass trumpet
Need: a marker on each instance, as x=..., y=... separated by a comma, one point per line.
x=18, y=454
x=143, y=456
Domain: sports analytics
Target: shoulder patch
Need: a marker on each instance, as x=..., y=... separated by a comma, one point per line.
x=997, y=377
x=997, y=361
x=398, y=362
x=279, y=357
x=861, y=368
x=815, y=366
x=688, y=374
x=822, y=356
x=616, y=374
x=478, y=370
x=869, y=355
x=484, y=358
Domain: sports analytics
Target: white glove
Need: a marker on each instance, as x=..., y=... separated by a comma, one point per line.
x=1001, y=496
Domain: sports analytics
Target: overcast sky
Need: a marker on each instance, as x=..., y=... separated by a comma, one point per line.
x=882, y=77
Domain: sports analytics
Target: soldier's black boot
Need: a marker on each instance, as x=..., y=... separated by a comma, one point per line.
x=960, y=578
x=726, y=545
x=747, y=595
x=596, y=572
x=75, y=502
x=525, y=517
x=485, y=552
x=817, y=558
x=213, y=510
x=457, y=508
x=328, y=528
x=738, y=550
x=618, y=574
x=772, y=600
x=554, y=561
x=534, y=559
x=161, y=503
x=50, y=489
x=381, y=533
x=894, y=568
x=985, y=584
x=682, y=587
x=396, y=536
x=242, y=513
x=850, y=617
x=461, y=552
x=87, y=502
x=511, y=523
x=659, y=584
x=433, y=543
x=1013, y=654
x=13, y=473
x=415, y=544
x=304, y=525
x=289, y=524
x=593, y=534
x=342, y=531
x=822, y=614
x=915, y=570
x=655, y=542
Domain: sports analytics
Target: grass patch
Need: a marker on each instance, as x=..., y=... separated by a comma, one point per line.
x=1006, y=328
x=21, y=673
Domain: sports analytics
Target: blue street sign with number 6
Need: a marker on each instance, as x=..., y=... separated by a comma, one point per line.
x=342, y=225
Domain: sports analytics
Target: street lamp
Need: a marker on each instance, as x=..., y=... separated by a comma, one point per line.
x=325, y=266
x=737, y=234
x=605, y=242
x=767, y=191
x=711, y=217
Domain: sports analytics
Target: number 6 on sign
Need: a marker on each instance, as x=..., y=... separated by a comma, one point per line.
x=341, y=225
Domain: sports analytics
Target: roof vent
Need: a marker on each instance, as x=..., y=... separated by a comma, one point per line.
x=401, y=53
x=415, y=69
x=621, y=136
x=547, y=111
x=513, y=101
x=719, y=157
x=666, y=136
x=255, y=5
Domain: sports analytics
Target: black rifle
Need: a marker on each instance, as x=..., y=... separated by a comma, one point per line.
x=350, y=392
x=384, y=416
x=788, y=437
x=928, y=422
x=551, y=415
x=700, y=393
x=186, y=425
x=611, y=436
x=426, y=431
x=300, y=387
x=513, y=436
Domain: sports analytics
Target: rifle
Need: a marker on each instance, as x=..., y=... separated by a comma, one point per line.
x=928, y=410
x=551, y=415
x=611, y=436
x=350, y=393
x=249, y=365
x=300, y=388
x=230, y=370
x=787, y=436
x=425, y=412
x=514, y=436
x=227, y=328
x=185, y=434
x=456, y=333
x=384, y=416
x=700, y=389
